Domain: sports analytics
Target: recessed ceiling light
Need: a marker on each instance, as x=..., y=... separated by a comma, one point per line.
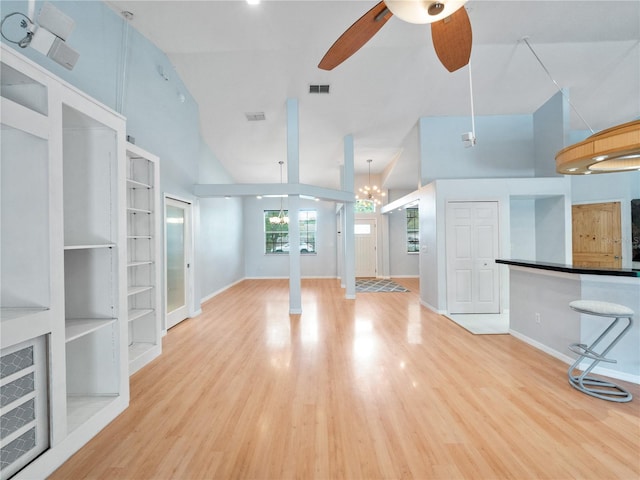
x=253, y=2
x=599, y=158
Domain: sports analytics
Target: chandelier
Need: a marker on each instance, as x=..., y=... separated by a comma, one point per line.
x=370, y=192
x=281, y=219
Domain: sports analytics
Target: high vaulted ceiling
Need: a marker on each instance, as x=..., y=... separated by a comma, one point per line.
x=236, y=58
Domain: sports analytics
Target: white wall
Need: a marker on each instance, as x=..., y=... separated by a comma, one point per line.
x=401, y=263
x=433, y=227
x=261, y=265
x=431, y=263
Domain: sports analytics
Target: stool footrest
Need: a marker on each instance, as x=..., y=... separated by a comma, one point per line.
x=594, y=386
x=585, y=351
x=607, y=391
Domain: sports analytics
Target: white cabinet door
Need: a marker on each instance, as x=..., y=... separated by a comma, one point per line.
x=473, y=282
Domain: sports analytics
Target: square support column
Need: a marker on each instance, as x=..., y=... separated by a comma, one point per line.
x=349, y=220
x=293, y=177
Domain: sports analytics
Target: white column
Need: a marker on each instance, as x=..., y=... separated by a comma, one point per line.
x=293, y=176
x=348, y=233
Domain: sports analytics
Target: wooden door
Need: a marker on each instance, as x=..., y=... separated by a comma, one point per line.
x=597, y=235
x=473, y=283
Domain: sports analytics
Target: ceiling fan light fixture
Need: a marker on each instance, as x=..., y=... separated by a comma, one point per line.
x=423, y=11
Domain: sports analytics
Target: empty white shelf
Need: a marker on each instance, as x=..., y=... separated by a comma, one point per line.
x=135, y=184
x=89, y=246
x=13, y=313
x=79, y=327
x=138, y=263
x=82, y=408
x=136, y=313
x=140, y=289
x=138, y=210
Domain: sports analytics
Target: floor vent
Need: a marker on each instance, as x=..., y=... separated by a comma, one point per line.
x=318, y=88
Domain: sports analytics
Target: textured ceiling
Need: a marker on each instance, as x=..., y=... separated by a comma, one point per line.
x=235, y=58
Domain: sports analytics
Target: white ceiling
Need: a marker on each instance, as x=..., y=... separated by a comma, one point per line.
x=236, y=58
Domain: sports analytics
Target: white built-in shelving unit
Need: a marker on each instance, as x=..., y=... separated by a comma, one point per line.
x=63, y=265
x=143, y=249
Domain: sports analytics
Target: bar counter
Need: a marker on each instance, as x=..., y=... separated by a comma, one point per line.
x=559, y=267
x=539, y=313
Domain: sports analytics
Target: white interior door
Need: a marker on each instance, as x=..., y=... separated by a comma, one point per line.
x=473, y=283
x=177, y=259
x=365, y=247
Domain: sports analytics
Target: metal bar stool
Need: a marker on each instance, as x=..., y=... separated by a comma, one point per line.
x=590, y=385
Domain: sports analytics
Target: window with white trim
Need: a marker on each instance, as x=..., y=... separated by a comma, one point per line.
x=413, y=230
x=276, y=234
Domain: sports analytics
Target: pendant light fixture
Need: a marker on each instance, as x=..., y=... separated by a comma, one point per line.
x=281, y=219
x=616, y=149
x=370, y=192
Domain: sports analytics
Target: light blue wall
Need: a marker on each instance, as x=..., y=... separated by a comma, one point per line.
x=160, y=122
x=522, y=217
x=260, y=265
x=551, y=238
x=550, y=124
x=504, y=147
x=401, y=263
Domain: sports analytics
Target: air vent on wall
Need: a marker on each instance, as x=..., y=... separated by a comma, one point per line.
x=255, y=116
x=318, y=88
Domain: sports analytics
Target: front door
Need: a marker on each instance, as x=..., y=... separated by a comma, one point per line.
x=597, y=235
x=178, y=254
x=365, y=247
x=473, y=282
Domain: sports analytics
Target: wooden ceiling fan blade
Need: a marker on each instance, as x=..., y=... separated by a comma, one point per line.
x=452, y=39
x=356, y=36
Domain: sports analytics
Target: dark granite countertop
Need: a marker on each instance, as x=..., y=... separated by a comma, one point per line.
x=559, y=267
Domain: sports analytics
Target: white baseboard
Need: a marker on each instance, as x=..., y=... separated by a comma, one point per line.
x=405, y=276
x=324, y=277
x=627, y=377
x=432, y=308
x=217, y=292
x=549, y=351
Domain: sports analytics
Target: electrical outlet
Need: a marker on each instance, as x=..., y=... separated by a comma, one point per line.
x=537, y=318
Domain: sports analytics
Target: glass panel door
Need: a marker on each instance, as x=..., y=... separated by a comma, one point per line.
x=177, y=259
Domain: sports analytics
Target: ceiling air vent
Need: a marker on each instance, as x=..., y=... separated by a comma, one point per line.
x=318, y=88
x=255, y=116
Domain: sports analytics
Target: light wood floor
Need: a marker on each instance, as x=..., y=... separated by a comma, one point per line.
x=373, y=388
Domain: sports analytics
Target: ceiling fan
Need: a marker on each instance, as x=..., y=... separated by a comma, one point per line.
x=450, y=30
